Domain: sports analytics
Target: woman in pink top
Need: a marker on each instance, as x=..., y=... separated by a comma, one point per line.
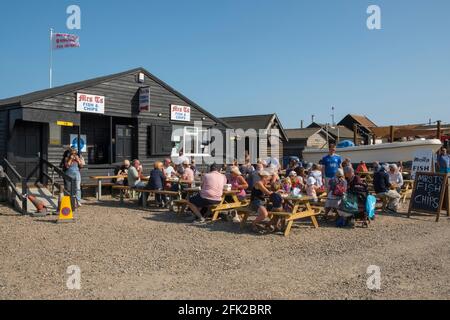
x=238, y=183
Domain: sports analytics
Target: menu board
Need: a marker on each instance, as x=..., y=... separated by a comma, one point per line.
x=428, y=193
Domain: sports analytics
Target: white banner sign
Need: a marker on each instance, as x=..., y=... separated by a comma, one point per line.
x=180, y=113
x=90, y=103
x=144, y=99
x=422, y=161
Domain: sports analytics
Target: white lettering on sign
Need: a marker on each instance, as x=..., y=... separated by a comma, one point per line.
x=180, y=113
x=422, y=161
x=90, y=103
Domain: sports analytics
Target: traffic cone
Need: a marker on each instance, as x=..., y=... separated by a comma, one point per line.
x=65, y=210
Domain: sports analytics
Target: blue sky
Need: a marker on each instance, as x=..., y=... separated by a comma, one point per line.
x=233, y=57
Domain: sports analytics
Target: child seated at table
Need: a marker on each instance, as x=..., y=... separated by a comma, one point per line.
x=311, y=188
x=287, y=185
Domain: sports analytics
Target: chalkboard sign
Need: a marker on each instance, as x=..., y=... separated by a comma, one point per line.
x=428, y=193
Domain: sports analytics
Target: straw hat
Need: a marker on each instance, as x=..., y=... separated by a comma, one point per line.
x=264, y=173
x=236, y=171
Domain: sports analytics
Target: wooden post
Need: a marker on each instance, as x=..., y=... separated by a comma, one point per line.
x=355, y=134
x=392, y=134
x=438, y=130
x=374, y=139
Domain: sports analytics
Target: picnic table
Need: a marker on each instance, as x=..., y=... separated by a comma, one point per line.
x=301, y=209
x=229, y=201
x=100, y=179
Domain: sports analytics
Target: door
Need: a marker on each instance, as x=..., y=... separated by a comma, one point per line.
x=124, y=143
x=26, y=144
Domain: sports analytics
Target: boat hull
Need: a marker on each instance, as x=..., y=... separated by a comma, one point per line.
x=385, y=152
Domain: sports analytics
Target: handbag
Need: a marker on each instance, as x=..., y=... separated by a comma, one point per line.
x=350, y=203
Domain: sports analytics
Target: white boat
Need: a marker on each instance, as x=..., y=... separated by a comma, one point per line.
x=384, y=152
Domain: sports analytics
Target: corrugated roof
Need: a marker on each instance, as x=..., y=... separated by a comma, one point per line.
x=304, y=133
x=363, y=120
x=48, y=93
x=249, y=122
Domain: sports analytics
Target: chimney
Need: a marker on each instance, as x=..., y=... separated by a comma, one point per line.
x=313, y=118
x=301, y=124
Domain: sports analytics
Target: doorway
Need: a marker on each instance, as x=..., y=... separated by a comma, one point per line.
x=26, y=145
x=124, y=142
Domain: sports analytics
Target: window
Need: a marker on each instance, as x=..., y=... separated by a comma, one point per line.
x=193, y=142
x=55, y=134
x=159, y=140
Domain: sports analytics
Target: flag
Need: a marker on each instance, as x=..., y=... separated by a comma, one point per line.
x=65, y=40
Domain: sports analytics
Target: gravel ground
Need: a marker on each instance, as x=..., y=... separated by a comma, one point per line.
x=127, y=253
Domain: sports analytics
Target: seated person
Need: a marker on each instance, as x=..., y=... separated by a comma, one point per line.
x=395, y=177
x=188, y=174
x=211, y=193
x=258, y=201
x=311, y=188
x=157, y=182
x=123, y=172
x=383, y=190
x=296, y=181
x=135, y=174
x=238, y=182
x=337, y=188
x=362, y=168
x=254, y=177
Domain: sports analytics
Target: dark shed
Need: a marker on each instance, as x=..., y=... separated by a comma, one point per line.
x=120, y=126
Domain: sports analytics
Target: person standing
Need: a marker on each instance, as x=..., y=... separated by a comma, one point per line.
x=443, y=161
x=73, y=163
x=330, y=164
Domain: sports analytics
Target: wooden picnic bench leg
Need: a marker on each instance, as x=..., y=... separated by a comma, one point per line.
x=99, y=190
x=122, y=196
x=244, y=218
x=288, y=228
x=314, y=221
x=215, y=216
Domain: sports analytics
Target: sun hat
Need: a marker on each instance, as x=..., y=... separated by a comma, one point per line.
x=264, y=173
x=311, y=181
x=236, y=170
x=186, y=162
x=292, y=174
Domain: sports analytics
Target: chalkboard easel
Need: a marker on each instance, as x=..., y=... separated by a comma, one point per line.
x=431, y=194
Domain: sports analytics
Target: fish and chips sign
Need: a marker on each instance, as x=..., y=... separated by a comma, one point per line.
x=90, y=103
x=180, y=113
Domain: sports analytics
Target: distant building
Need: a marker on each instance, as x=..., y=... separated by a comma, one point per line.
x=300, y=139
x=363, y=125
x=339, y=132
x=259, y=122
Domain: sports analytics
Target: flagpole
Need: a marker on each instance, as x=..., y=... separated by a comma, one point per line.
x=51, y=57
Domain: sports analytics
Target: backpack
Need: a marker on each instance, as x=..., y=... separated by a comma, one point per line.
x=339, y=189
x=370, y=206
